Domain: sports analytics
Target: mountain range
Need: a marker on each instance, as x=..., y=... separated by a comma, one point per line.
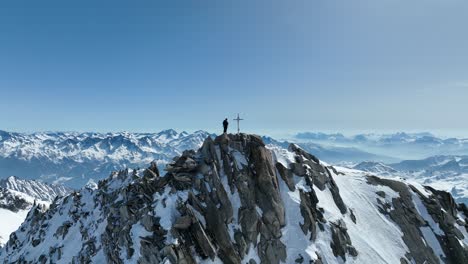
x=447, y=172
x=74, y=158
x=239, y=200
x=398, y=145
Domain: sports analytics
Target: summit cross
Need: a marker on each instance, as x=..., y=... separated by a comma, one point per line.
x=238, y=119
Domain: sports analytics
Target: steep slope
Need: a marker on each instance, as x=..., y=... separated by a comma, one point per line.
x=236, y=201
x=76, y=158
x=17, y=197
x=34, y=189
x=447, y=173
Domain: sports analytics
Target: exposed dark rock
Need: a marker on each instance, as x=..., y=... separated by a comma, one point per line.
x=272, y=251
x=352, y=251
x=298, y=168
x=310, y=213
x=318, y=260
x=320, y=179
x=267, y=190
x=12, y=202
x=404, y=261
x=249, y=222
x=152, y=171
x=183, y=223
x=295, y=148
x=341, y=242
x=408, y=219
x=335, y=171
x=335, y=191
x=381, y=194
x=240, y=243
x=462, y=207
x=286, y=175
x=446, y=201
x=217, y=227
x=63, y=230
x=300, y=259
x=353, y=217
x=443, y=210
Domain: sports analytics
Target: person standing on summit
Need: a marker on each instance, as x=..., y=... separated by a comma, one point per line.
x=225, y=125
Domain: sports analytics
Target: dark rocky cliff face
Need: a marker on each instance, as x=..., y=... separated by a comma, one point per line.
x=12, y=202
x=236, y=201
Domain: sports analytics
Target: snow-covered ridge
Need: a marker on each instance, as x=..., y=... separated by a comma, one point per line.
x=236, y=201
x=35, y=189
x=75, y=158
x=82, y=146
x=17, y=197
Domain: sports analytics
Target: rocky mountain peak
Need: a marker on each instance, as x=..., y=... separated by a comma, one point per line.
x=235, y=200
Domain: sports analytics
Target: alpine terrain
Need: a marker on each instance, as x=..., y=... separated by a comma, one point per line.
x=448, y=173
x=18, y=196
x=236, y=200
x=75, y=159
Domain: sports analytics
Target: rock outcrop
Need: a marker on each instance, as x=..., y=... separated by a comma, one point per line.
x=12, y=202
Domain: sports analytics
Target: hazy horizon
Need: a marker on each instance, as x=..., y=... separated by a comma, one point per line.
x=233, y=129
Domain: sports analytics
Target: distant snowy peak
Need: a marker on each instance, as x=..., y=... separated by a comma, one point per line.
x=445, y=163
x=62, y=145
x=167, y=135
x=320, y=136
x=377, y=168
x=35, y=189
x=396, y=138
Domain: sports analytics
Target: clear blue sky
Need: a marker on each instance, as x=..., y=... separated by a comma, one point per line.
x=285, y=65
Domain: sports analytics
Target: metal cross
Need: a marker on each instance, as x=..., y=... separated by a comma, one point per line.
x=238, y=119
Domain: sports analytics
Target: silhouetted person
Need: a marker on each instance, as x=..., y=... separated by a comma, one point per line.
x=225, y=125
